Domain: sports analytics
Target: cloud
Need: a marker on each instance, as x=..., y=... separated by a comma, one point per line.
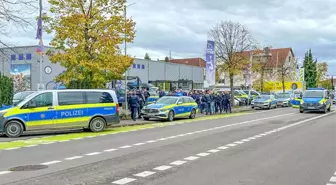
x=181, y=26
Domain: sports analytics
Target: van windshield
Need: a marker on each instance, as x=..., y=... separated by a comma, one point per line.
x=313, y=94
x=27, y=98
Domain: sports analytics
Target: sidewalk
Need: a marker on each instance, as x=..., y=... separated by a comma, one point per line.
x=124, y=123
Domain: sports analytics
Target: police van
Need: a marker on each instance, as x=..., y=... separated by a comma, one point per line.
x=315, y=99
x=61, y=109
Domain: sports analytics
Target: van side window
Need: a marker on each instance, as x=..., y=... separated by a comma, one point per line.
x=99, y=97
x=42, y=100
x=70, y=98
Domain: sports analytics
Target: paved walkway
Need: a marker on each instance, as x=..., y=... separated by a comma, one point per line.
x=141, y=121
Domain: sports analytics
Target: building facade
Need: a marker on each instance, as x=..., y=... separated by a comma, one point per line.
x=23, y=65
x=279, y=59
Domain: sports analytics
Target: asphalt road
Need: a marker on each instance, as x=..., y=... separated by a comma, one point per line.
x=277, y=147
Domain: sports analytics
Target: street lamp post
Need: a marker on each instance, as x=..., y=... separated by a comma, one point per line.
x=125, y=49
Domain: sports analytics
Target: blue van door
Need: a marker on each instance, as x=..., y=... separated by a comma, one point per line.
x=41, y=113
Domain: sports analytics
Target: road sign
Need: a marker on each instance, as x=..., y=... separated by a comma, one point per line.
x=294, y=86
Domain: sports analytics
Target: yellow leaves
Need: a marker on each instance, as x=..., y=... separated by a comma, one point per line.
x=89, y=34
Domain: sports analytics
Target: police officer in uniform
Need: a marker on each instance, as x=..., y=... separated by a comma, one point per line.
x=227, y=99
x=134, y=104
x=141, y=103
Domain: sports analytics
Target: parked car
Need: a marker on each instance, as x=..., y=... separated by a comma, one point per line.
x=251, y=94
x=20, y=96
x=283, y=99
x=265, y=102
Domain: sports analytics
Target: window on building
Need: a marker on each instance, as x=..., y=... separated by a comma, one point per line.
x=28, y=56
x=99, y=97
x=134, y=65
x=21, y=57
x=13, y=57
x=138, y=66
x=143, y=66
x=70, y=98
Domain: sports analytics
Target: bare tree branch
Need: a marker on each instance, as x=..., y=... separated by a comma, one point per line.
x=16, y=13
x=231, y=40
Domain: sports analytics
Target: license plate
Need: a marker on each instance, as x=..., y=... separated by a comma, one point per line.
x=311, y=107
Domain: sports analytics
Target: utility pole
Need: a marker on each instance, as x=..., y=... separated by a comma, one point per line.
x=125, y=17
x=125, y=49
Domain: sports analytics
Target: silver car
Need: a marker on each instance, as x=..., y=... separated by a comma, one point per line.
x=283, y=100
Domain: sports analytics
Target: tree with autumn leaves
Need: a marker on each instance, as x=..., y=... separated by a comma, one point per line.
x=87, y=39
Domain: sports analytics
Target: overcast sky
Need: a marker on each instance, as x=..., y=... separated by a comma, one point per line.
x=181, y=26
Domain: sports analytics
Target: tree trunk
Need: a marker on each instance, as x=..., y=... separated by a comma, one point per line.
x=262, y=81
x=231, y=89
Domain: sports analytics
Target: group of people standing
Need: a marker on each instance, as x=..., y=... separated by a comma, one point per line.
x=136, y=101
x=210, y=102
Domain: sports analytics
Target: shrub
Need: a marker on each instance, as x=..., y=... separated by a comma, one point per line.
x=125, y=114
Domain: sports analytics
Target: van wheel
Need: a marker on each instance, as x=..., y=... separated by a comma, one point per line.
x=192, y=114
x=13, y=129
x=97, y=124
x=146, y=119
x=171, y=116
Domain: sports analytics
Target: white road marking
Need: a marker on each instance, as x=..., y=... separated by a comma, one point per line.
x=181, y=135
x=50, y=162
x=126, y=146
x=203, y=154
x=162, y=139
x=251, y=138
x=162, y=168
x=151, y=141
x=12, y=148
x=5, y=172
x=257, y=136
x=144, y=174
x=239, y=142
x=223, y=147
x=30, y=146
x=110, y=150
x=73, y=158
x=245, y=140
x=48, y=143
x=263, y=134
x=191, y=158
x=213, y=151
x=138, y=144
x=90, y=136
x=93, y=153
x=332, y=179
x=124, y=181
x=177, y=163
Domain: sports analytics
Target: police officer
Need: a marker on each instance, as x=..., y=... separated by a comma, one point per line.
x=141, y=103
x=219, y=102
x=146, y=94
x=134, y=104
x=161, y=93
x=227, y=102
x=207, y=102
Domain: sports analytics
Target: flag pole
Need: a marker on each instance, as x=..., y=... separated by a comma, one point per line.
x=41, y=54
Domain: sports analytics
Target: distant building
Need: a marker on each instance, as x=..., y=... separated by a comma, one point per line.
x=22, y=64
x=190, y=61
x=278, y=58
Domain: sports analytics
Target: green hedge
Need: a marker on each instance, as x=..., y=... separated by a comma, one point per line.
x=6, y=90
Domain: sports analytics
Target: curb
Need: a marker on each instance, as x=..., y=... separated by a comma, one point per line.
x=247, y=109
